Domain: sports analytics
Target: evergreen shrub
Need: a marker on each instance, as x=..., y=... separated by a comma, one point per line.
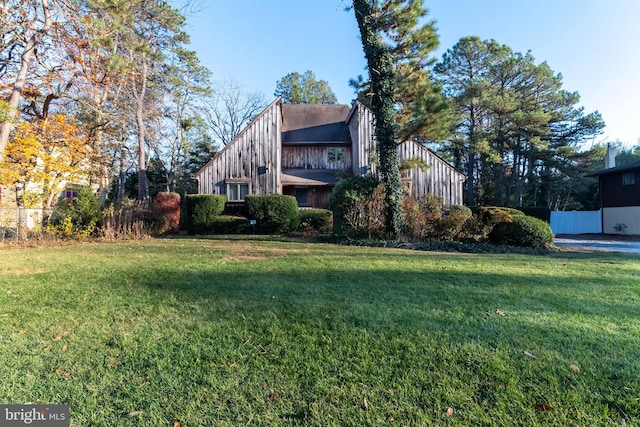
x=488, y=216
x=273, y=213
x=523, y=230
x=315, y=220
x=230, y=224
x=452, y=223
x=357, y=203
x=202, y=209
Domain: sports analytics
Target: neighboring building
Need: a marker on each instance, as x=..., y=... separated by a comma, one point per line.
x=620, y=197
x=302, y=150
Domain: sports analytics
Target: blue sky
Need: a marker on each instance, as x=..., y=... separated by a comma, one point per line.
x=594, y=44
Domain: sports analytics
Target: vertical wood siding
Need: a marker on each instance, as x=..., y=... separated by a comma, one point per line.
x=311, y=157
x=440, y=178
x=253, y=156
x=259, y=146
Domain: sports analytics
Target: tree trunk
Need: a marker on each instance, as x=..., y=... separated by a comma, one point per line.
x=18, y=86
x=383, y=78
x=143, y=184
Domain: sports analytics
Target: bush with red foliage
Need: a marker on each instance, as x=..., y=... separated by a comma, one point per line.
x=166, y=207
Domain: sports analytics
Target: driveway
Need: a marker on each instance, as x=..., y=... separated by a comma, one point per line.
x=599, y=242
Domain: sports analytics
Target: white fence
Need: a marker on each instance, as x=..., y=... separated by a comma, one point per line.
x=576, y=222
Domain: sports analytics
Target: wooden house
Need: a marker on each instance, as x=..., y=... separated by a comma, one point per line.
x=620, y=198
x=303, y=150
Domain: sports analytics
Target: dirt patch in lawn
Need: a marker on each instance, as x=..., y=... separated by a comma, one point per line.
x=23, y=271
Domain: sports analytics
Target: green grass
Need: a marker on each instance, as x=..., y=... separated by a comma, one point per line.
x=230, y=332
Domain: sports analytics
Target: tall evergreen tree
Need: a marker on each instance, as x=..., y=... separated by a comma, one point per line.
x=296, y=88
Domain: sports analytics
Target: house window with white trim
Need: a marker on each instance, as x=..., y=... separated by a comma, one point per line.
x=336, y=157
x=629, y=178
x=237, y=191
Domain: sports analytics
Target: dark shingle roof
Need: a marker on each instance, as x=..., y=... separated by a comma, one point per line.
x=307, y=123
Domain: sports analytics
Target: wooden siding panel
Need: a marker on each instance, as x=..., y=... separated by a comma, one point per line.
x=254, y=155
x=440, y=178
x=310, y=157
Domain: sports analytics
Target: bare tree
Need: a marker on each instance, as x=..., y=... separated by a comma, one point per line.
x=231, y=109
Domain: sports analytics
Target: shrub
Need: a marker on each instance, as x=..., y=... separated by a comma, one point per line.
x=76, y=219
x=202, y=209
x=414, y=219
x=452, y=223
x=523, y=231
x=315, y=220
x=166, y=207
x=229, y=224
x=488, y=216
x=358, y=205
x=274, y=213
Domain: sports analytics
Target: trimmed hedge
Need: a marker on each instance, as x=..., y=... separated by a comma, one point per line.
x=274, y=213
x=451, y=224
x=316, y=220
x=523, y=231
x=202, y=210
x=230, y=224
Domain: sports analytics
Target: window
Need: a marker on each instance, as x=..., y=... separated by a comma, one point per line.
x=237, y=191
x=336, y=157
x=302, y=196
x=629, y=178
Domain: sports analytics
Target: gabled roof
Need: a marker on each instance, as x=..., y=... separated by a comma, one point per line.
x=622, y=168
x=313, y=123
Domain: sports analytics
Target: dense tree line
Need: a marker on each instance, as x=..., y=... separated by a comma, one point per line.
x=129, y=100
x=107, y=92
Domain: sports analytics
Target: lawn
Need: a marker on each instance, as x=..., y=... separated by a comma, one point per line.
x=234, y=332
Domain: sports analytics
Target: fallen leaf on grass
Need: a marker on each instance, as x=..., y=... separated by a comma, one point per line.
x=65, y=348
x=449, y=412
x=365, y=402
x=575, y=368
x=526, y=353
x=112, y=363
x=544, y=407
x=47, y=348
x=499, y=312
x=135, y=413
x=176, y=424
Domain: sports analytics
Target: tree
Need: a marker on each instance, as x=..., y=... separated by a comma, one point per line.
x=423, y=113
x=296, y=88
x=518, y=129
x=35, y=22
x=383, y=80
x=45, y=155
x=230, y=109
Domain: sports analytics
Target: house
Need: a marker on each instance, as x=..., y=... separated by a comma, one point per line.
x=302, y=150
x=619, y=197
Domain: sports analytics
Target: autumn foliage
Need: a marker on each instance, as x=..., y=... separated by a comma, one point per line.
x=46, y=153
x=166, y=207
